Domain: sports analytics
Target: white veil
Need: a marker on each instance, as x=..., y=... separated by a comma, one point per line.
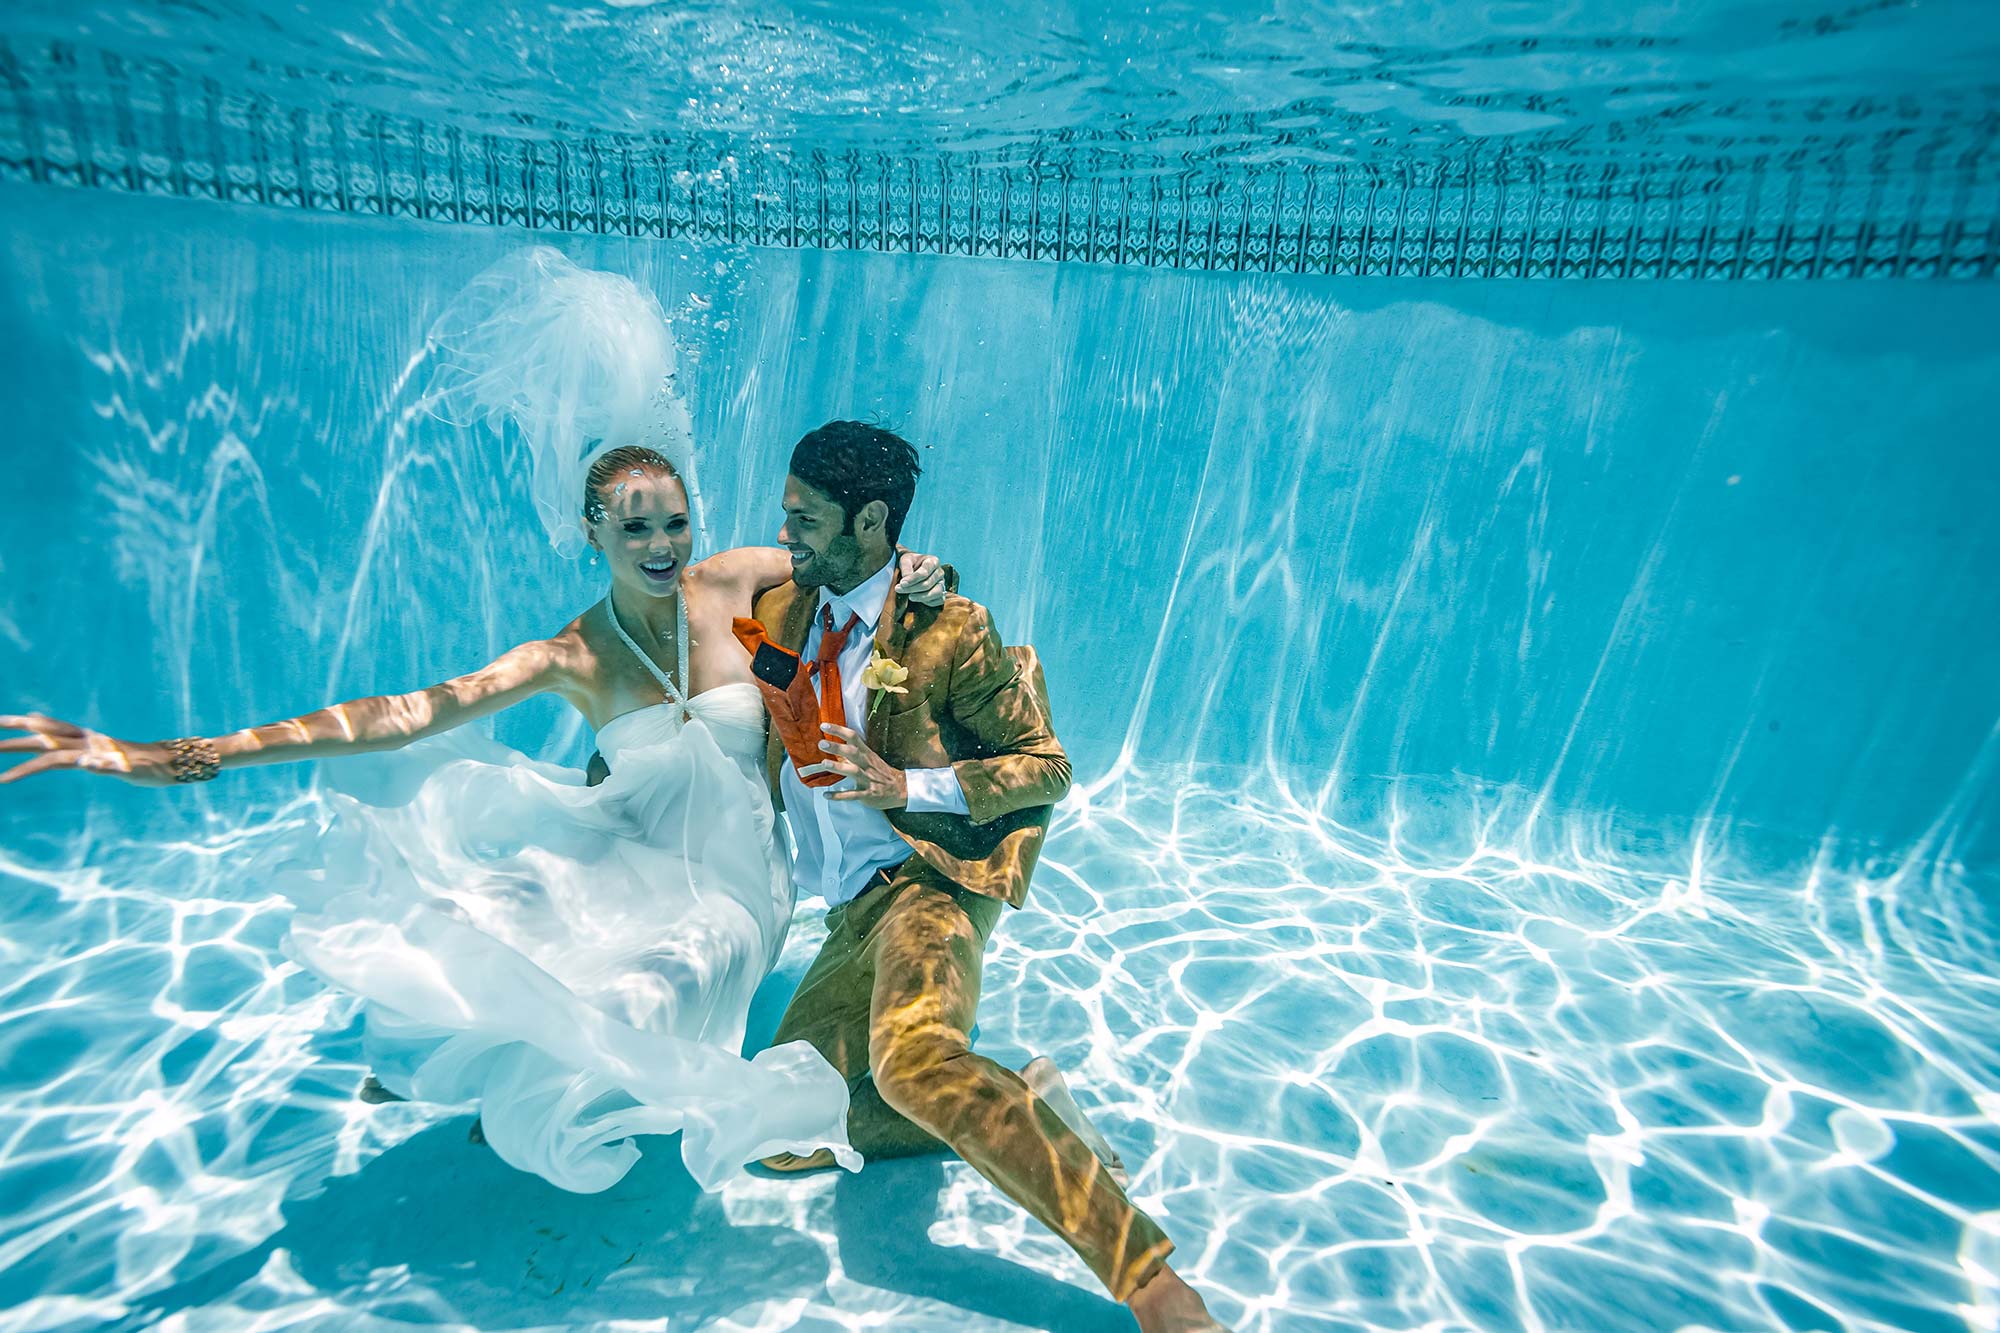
x=579, y=361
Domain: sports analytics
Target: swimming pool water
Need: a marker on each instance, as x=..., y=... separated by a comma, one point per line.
x=1534, y=861
x=1693, y=138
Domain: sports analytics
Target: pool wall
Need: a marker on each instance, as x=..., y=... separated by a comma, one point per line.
x=1682, y=554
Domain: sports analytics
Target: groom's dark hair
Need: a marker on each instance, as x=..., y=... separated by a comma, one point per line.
x=852, y=462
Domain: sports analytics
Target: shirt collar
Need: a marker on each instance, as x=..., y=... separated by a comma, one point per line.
x=867, y=601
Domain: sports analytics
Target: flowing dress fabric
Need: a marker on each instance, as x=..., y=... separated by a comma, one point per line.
x=575, y=961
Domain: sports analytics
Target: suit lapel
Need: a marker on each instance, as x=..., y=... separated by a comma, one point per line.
x=892, y=634
x=794, y=617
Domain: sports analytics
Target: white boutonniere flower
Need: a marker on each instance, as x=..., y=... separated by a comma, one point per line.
x=885, y=677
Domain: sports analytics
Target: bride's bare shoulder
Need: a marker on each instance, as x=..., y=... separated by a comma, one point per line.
x=578, y=644
x=579, y=654
x=740, y=573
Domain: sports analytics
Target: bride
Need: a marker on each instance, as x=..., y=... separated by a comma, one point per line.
x=576, y=961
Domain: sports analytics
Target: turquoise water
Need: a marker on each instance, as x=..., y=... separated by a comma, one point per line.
x=1534, y=862
x=1724, y=139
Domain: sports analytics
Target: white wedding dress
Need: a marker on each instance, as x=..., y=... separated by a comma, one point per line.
x=576, y=962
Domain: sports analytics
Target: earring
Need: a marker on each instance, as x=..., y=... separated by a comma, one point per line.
x=593, y=557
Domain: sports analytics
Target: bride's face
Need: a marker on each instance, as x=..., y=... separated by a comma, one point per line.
x=644, y=533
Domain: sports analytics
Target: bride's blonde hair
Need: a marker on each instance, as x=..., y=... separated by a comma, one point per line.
x=609, y=464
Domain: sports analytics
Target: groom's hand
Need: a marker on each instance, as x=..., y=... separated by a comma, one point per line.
x=875, y=783
x=923, y=579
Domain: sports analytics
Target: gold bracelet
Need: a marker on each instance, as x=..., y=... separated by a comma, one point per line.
x=193, y=759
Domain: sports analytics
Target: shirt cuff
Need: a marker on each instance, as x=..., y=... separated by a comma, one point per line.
x=934, y=791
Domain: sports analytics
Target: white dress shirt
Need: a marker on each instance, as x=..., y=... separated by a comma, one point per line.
x=838, y=845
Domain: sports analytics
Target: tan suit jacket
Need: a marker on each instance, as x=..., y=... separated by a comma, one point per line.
x=972, y=704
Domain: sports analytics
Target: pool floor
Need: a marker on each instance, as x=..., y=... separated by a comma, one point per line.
x=1365, y=1082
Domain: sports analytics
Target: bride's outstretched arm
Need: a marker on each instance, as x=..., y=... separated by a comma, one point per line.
x=758, y=569
x=381, y=722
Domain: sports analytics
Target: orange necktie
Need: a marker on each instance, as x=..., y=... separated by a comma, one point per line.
x=826, y=666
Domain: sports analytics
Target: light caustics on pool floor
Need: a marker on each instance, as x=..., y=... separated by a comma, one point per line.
x=1366, y=1081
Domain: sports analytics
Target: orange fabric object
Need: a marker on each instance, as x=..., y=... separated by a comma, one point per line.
x=786, y=683
x=826, y=666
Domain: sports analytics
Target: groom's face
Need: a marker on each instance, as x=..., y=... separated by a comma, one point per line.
x=822, y=554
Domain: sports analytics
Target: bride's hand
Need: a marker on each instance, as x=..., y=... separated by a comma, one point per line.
x=59, y=745
x=923, y=578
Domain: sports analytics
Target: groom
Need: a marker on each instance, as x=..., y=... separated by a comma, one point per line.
x=918, y=804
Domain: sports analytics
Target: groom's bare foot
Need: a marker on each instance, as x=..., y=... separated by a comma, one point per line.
x=1166, y=1304
x=374, y=1093
x=1046, y=1082
x=793, y=1164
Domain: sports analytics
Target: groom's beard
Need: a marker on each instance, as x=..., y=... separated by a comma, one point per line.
x=842, y=566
